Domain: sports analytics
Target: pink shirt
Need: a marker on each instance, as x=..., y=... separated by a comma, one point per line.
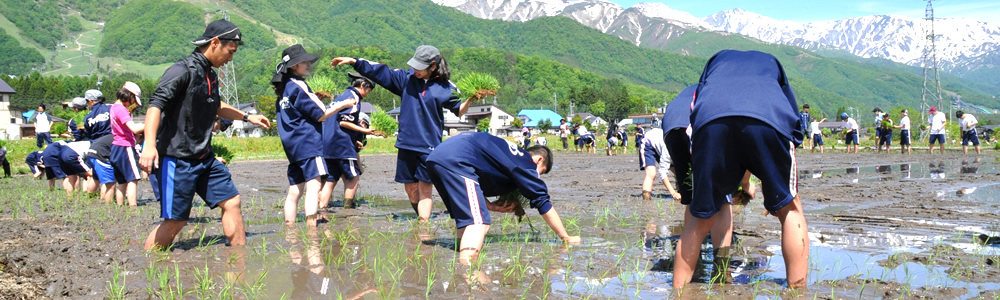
x=123, y=135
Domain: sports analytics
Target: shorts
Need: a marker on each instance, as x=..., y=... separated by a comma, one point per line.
x=306, y=169
x=724, y=149
x=938, y=137
x=125, y=160
x=885, y=139
x=103, y=171
x=411, y=167
x=624, y=143
x=904, y=137
x=817, y=139
x=647, y=157
x=71, y=163
x=181, y=179
x=970, y=136
x=461, y=194
x=341, y=168
x=679, y=147
x=588, y=140
x=851, y=137
x=53, y=165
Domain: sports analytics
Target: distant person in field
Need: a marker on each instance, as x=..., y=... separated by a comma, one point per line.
x=469, y=167
x=75, y=130
x=103, y=179
x=937, y=121
x=804, y=115
x=301, y=115
x=340, y=147
x=967, y=123
x=623, y=139
x=188, y=101
x=744, y=118
x=525, y=137
x=124, y=155
x=639, y=134
x=817, y=134
x=611, y=138
x=850, y=127
x=541, y=141
x=64, y=161
x=878, y=126
x=564, y=134
x=885, y=131
x=904, y=132
x=4, y=162
x=42, y=126
x=588, y=143
x=34, y=162
x=425, y=91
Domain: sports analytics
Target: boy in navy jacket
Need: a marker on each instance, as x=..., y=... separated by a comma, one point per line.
x=469, y=167
x=339, y=148
x=424, y=91
x=744, y=118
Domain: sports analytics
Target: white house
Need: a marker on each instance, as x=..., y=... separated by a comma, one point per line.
x=10, y=118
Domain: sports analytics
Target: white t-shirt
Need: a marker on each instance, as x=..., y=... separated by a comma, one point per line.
x=905, y=122
x=937, y=123
x=541, y=141
x=582, y=131
x=814, y=128
x=42, y=123
x=850, y=124
x=654, y=138
x=967, y=120
x=563, y=130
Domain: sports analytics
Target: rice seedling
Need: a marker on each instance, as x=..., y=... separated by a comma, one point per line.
x=253, y=289
x=116, y=287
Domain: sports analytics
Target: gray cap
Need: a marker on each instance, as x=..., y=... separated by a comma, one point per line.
x=78, y=103
x=423, y=58
x=92, y=95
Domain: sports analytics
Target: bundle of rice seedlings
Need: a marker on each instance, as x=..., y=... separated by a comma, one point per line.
x=512, y=202
x=476, y=86
x=322, y=85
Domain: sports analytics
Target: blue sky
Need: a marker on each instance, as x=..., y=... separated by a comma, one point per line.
x=812, y=10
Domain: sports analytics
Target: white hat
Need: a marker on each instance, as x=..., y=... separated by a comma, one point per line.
x=134, y=88
x=78, y=103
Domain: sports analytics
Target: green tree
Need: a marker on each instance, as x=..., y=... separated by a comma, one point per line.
x=598, y=108
x=517, y=123
x=483, y=125
x=544, y=125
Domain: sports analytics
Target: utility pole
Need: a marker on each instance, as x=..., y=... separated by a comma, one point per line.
x=571, y=109
x=932, y=82
x=555, y=103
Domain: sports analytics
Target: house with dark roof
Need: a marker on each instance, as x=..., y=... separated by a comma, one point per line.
x=10, y=117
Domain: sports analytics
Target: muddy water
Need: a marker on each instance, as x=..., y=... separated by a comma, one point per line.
x=881, y=226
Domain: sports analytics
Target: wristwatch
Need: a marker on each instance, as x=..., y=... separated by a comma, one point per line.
x=245, y=117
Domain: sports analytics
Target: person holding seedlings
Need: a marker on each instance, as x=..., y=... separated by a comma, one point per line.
x=743, y=119
x=187, y=100
x=340, y=149
x=425, y=91
x=904, y=132
x=885, y=134
x=525, y=137
x=564, y=134
x=34, y=161
x=967, y=123
x=469, y=167
x=124, y=156
x=300, y=124
x=73, y=130
x=817, y=134
x=850, y=127
x=937, y=121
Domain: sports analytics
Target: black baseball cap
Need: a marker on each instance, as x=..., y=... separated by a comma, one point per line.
x=222, y=29
x=290, y=57
x=352, y=76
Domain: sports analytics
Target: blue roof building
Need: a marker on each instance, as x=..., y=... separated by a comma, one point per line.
x=531, y=117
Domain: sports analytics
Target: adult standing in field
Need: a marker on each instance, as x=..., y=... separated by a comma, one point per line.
x=124, y=155
x=187, y=100
x=967, y=123
x=806, y=118
x=904, y=132
x=850, y=127
x=4, y=162
x=425, y=91
x=42, y=126
x=743, y=119
x=340, y=149
x=564, y=134
x=301, y=115
x=639, y=134
x=937, y=122
x=469, y=167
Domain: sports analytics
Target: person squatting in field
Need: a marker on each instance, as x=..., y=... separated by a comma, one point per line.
x=744, y=118
x=425, y=91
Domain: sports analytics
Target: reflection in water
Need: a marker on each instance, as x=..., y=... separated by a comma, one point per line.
x=965, y=191
x=968, y=168
x=885, y=169
x=853, y=170
x=937, y=171
x=905, y=169
x=806, y=174
x=311, y=278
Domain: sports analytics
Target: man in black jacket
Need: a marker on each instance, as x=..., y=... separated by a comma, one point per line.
x=186, y=102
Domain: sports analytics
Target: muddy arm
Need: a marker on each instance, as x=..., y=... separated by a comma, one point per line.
x=552, y=218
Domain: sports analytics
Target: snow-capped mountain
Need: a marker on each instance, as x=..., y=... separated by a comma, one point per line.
x=962, y=44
